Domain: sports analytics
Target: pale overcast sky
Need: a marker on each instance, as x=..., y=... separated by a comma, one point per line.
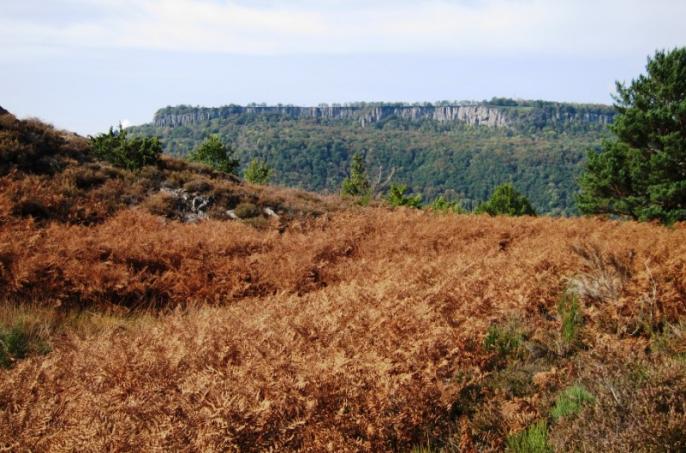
x=88, y=64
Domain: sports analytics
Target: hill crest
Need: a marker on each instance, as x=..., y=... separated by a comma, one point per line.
x=500, y=113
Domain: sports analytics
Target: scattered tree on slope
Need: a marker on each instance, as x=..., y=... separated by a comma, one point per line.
x=216, y=154
x=506, y=200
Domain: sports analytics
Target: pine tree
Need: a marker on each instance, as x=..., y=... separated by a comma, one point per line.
x=641, y=172
x=357, y=184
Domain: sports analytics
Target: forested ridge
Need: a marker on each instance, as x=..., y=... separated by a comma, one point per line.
x=458, y=150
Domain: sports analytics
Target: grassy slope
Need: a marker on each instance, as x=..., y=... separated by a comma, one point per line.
x=363, y=329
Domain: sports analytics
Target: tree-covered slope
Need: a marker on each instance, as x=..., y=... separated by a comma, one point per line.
x=460, y=150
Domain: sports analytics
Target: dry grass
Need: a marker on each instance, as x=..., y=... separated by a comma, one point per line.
x=349, y=332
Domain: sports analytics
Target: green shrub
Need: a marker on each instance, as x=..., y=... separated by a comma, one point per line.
x=396, y=197
x=571, y=318
x=130, y=153
x=216, y=154
x=505, y=341
x=506, y=200
x=571, y=401
x=258, y=172
x=532, y=440
x=357, y=184
x=442, y=205
x=17, y=342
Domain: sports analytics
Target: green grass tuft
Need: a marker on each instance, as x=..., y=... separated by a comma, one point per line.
x=506, y=341
x=571, y=317
x=19, y=341
x=571, y=401
x=532, y=440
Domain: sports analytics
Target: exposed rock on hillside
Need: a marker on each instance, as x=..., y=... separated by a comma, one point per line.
x=482, y=114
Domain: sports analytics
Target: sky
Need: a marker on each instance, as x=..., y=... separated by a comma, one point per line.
x=85, y=65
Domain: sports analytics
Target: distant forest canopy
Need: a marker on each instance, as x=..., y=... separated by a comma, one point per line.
x=461, y=150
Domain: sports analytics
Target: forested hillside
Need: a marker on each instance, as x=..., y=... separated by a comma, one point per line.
x=459, y=150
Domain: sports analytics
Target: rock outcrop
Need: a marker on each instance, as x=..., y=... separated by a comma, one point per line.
x=474, y=114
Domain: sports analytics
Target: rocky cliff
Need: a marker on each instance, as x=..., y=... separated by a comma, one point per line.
x=481, y=114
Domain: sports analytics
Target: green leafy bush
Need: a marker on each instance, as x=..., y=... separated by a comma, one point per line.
x=442, y=205
x=130, y=153
x=397, y=197
x=258, y=172
x=506, y=200
x=532, y=440
x=571, y=401
x=216, y=154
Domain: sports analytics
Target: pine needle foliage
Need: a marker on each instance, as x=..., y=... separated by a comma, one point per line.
x=129, y=153
x=641, y=172
x=357, y=183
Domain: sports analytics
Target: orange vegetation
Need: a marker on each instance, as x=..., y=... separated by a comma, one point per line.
x=360, y=331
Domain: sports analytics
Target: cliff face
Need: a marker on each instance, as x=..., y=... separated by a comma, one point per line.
x=471, y=114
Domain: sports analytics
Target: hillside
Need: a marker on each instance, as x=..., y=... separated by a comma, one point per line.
x=332, y=328
x=459, y=150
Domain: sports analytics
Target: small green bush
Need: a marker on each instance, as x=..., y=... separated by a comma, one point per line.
x=396, y=197
x=506, y=200
x=216, y=154
x=532, y=440
x=130, y=153
x=17, y=342
x=258, y=172
x=571, y=401
x=571, y=318
x=506, y=341
x=441, y=205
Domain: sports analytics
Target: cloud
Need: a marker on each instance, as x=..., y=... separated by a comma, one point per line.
x=449, y=27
